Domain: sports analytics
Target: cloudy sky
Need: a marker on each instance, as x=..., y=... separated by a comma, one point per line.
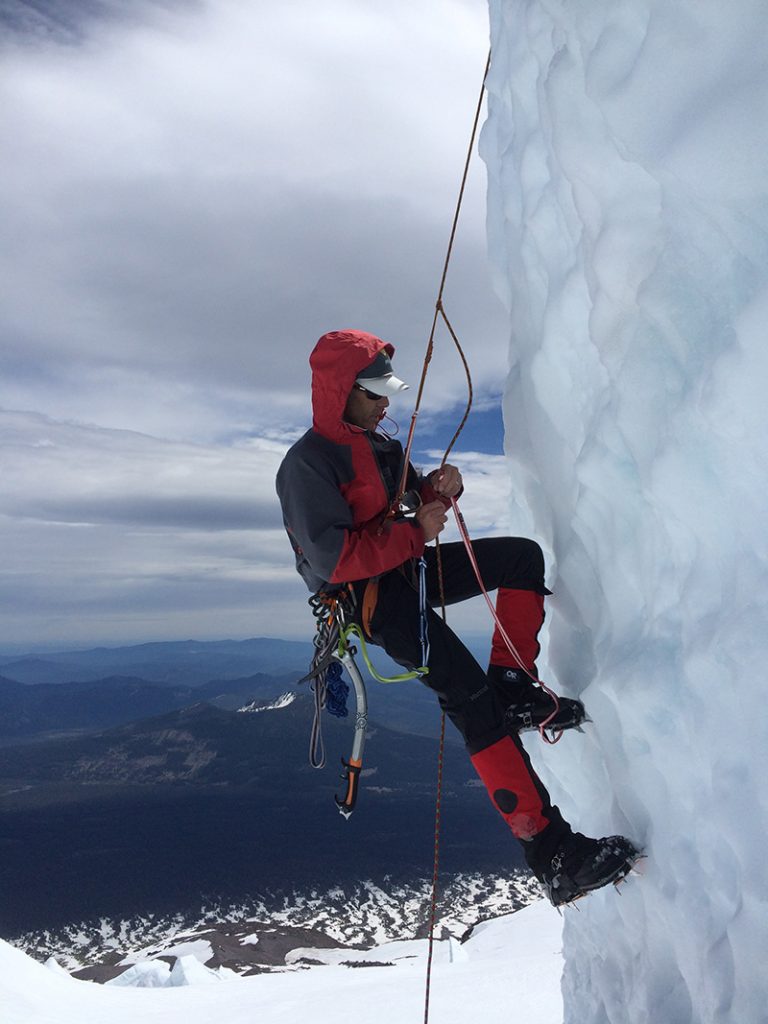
x=192, y=192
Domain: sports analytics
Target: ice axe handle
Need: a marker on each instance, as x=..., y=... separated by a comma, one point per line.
x=351, y=774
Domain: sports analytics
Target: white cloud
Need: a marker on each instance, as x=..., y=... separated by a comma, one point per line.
x=71, y=473
x=122, y=536
x=192, y=197
x=199, y=197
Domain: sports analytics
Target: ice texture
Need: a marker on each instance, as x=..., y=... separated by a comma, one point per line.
x=627, y=154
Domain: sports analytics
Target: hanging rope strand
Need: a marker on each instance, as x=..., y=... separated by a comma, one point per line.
x=440, y=311
x=439, y=302
x=435, y=869
x=470, y=394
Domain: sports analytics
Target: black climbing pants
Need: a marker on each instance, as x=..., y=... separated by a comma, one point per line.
x=463, y=689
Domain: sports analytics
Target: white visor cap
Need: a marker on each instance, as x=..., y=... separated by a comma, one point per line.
x=379, y=378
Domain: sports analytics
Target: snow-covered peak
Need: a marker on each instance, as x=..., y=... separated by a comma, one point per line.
x=283, y=701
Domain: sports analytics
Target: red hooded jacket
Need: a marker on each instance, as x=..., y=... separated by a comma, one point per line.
x=337, y=482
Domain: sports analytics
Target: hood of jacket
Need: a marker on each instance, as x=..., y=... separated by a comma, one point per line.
x=336, y=360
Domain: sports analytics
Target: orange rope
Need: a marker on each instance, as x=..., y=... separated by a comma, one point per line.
x=439, y=310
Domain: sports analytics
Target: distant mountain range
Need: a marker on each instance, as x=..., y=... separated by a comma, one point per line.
x=113, y=803
x=81, y=691
x=55, y=708
x=186, y=662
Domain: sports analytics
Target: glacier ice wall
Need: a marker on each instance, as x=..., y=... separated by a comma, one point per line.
x=627, y=153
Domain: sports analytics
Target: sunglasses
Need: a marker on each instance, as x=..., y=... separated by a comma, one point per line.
x=368, y=394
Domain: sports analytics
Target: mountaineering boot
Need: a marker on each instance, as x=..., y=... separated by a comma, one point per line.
x=528, y=706
x=582, y=865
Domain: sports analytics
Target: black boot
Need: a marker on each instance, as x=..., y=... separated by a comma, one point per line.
x=528, y=706
x=582, y=865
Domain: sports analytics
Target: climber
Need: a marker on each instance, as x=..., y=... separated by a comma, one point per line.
x=336, y=486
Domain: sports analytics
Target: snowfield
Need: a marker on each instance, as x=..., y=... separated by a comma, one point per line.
x=508, y=969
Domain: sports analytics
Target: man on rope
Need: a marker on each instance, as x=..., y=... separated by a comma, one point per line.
x=337, y=485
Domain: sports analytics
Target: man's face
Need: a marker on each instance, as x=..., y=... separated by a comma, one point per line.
x=364, y=409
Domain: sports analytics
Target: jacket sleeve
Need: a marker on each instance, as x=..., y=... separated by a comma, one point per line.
x=322, y=529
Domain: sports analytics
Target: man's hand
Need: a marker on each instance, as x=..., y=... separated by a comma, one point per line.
x=432, y=519
x=446, y=481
